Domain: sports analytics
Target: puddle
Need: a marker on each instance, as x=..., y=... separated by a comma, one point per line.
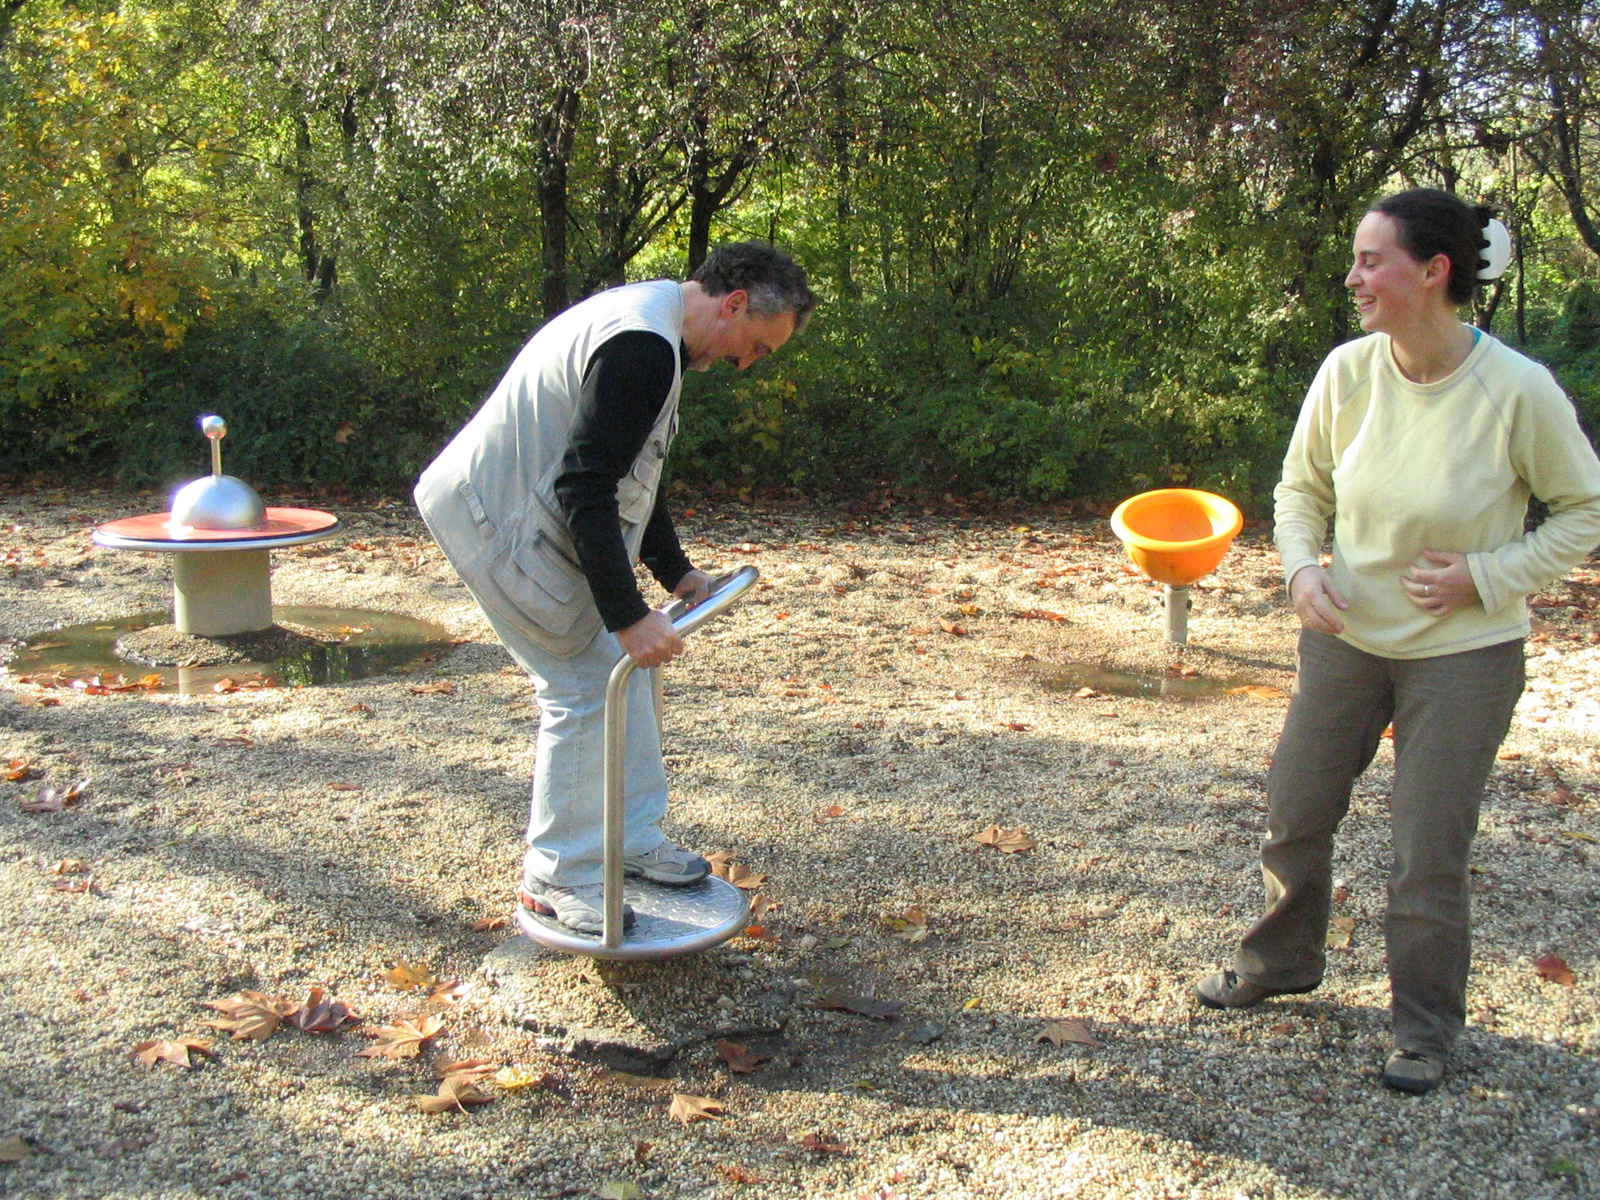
x=362, y=643
x=1070, y=677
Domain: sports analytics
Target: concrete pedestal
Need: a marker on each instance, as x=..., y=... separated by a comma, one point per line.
x=224, y=591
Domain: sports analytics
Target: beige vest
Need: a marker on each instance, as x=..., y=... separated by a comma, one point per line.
x=489, y=498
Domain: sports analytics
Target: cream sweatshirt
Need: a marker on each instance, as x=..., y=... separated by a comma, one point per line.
x=1448, y=466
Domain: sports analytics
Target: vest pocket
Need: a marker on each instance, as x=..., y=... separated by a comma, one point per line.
x=538, y=579
x=636, y=491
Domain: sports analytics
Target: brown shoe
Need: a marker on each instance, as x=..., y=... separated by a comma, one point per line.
x=1224, y=989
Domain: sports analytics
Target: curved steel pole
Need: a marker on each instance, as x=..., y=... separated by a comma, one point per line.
x=684, y=620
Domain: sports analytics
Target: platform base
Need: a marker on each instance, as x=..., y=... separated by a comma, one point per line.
x=667, y=921
x=221, y=592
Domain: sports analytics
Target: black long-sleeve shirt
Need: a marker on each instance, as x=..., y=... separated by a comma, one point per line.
x=624, y=387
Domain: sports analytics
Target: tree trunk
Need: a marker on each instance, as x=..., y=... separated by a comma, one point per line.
x=555, y=161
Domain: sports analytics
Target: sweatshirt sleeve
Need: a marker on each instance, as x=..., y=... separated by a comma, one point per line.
x=1303, y=500
x=625, y=384
x=1550, y=451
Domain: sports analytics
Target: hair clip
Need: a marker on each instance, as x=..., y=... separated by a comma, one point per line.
x=1496, y=257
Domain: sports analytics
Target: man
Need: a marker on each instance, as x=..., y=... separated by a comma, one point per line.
x=544, y=501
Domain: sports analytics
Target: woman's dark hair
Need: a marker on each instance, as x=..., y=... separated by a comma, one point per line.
x=1433, y=222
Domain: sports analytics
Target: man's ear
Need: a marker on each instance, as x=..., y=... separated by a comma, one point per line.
x=735, y=302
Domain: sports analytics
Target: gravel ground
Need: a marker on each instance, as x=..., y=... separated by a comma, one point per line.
x=848, y=731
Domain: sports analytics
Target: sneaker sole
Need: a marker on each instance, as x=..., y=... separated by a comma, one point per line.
x=1271, y=992
x=541, y=909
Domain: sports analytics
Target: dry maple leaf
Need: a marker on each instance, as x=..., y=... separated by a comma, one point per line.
x=1039, y=614
x=739, y=1058
x=759, y=905
x=449, y=992
x=18, y=770
x=1340, y=931
x=442, y=687
x=403, y=1039
x=514, y=1079
x=1554, y=968
x=454, y=1094
x=321, y=1013
x=175, y=1052
x=55, y=799
x=251, y=1016
x=819, y=1142
x=911, y=926
x=1007, y=841
x=690, y=1109
x=1069, y=1030
x=743, y=877
x=469, y=1070
x=405, y=976
x=1259, y=691
x=344, y=787
x=14, y=1149
x=953, y=629
x=1086, y=693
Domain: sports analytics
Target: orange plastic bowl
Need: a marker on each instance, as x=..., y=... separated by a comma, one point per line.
x=1177, y=535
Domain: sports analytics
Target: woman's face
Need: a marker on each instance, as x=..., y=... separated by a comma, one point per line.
x=1393, y=291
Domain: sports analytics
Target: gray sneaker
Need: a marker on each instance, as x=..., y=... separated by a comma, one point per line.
x=1409, y=1071
x=578, y=908
x=668, y=863
x=1224, y=989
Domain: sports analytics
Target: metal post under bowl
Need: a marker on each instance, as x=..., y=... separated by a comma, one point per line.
x=668, y=921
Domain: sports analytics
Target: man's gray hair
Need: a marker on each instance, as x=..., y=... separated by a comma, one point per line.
x=774, y=282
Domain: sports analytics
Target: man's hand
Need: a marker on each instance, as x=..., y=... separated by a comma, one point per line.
x=650, y=641
x=1316, y=601
x=1444, y=589
x=693, y=587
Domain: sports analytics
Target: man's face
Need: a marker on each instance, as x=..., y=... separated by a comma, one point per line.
x=740, y=337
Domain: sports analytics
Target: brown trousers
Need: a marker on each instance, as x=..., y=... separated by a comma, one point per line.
x=1450, y=714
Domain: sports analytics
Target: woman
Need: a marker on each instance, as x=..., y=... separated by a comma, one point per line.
x=1425, y=439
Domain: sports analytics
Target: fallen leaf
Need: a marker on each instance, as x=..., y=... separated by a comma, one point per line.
x=866, y=1006
x=454, y=1095
x=489, y=924
x=1340, y=931
x=1007, y=841
x=514, y=1079
x=819, y=1143
x=227, y=742
x=919, y=630
x=1259, y=691
x=251, y=1016
x=1068, y=1030
x=969, y=610
x=952, y=628
x=360, y=708
x=55, y=799
x=746, y=548
x=912, y=926
x=69, y=866
x=403, y=1039
x=449, y=992
x=406, y=976
x=690, y=1109
x=760, y=905
x=1039, y=614
x=739, y=1058
x=321, y=1013
x=175, y=1052
x=1509, y=755
x=344, y=787
x=1554, y=968
x=1086, y=693
x=18, y=770
x=1578, y=835
x=1015, y=726
x=471, y=1070
x=442, y=687
x=743, y=877
x=14, y=1149
x=734, y=1173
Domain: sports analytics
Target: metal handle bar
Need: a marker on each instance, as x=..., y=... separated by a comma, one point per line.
x=725, y=592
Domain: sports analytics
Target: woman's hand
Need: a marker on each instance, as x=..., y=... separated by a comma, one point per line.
x=1316, y=601
x=1443, y=589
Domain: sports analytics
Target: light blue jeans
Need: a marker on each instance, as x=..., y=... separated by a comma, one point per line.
x=566, y=819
